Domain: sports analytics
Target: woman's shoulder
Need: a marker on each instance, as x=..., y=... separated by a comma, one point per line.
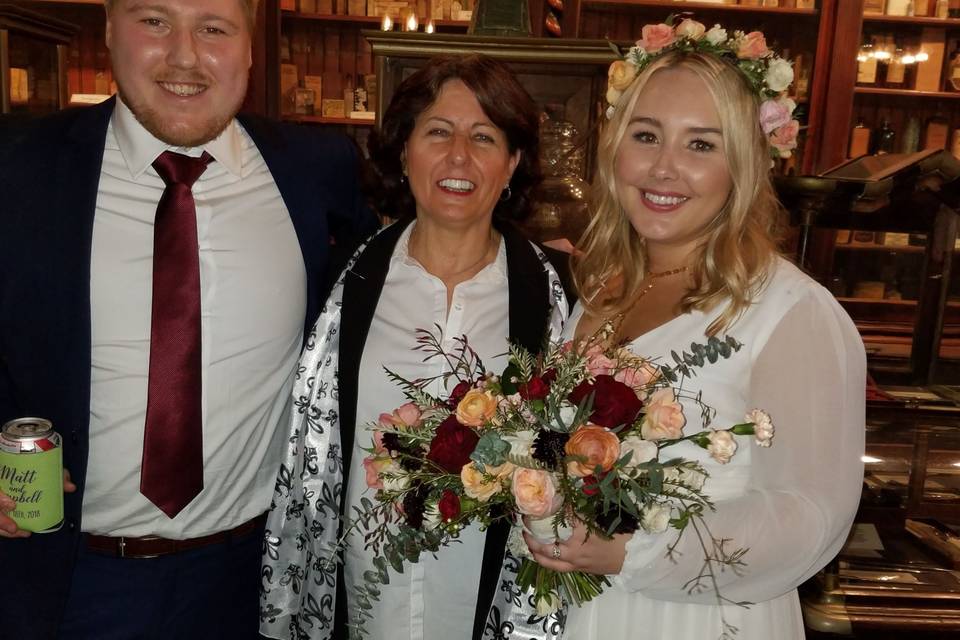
x=787, y=289
x=787, y=284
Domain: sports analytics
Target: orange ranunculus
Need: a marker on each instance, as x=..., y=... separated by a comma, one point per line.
x=596, y=446
x=477, y=407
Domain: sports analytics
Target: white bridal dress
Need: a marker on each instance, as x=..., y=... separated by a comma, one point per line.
x=790, y=505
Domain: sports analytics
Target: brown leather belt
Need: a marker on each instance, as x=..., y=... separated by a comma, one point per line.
x=153, y=547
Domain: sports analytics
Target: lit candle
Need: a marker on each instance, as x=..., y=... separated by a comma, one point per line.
x=429, y=28
x=387, y=23
x=412, y=23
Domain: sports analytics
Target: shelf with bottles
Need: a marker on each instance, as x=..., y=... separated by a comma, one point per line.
x=882, y=127
x=908, y=93
x=368, y=22
x=324, y=61
x=314, y=119
x=785, y=7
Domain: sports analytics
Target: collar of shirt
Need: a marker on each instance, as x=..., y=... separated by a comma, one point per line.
x=496, y=271
x=140, y=148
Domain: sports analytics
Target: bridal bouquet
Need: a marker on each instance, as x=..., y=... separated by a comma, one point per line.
x=577, y=433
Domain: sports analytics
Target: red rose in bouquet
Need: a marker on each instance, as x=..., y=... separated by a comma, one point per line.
x=449, y=505
x=614, y=403
x=452, y=445
x=536, y=389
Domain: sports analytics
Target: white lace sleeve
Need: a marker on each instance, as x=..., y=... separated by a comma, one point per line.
x=810, y=377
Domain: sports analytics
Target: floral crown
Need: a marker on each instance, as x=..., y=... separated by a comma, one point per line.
x=768, y=74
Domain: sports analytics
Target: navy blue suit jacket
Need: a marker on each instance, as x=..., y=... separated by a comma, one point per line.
x=49, y=174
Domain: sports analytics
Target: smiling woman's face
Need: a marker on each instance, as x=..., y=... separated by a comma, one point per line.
x=671, y=170
x=457, y=161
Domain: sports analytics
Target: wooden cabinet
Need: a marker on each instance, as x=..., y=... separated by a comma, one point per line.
x=313, y=50
x=33, y=62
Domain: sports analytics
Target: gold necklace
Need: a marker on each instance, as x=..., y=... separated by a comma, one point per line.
x=617, y=320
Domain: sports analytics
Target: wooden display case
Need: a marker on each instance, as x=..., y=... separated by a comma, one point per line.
x=320, y=48
x=911, y=337
x=33, y=62
x=898, y=575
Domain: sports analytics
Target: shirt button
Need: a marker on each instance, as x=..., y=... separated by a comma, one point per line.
x=458, y=307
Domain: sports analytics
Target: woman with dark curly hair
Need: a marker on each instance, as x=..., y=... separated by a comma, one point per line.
x=456, y=158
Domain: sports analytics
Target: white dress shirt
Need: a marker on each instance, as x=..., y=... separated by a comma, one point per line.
x=434, y=599
x=252, y=302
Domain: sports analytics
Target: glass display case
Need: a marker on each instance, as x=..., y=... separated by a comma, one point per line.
x=899, y=573
x=567, y=78
x=33, y=53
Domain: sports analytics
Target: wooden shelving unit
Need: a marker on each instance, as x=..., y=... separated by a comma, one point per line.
x=366, y=21
x=356, y=122
x=703, y=6
x=909, y=93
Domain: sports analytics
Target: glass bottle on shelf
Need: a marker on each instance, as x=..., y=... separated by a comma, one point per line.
x=896, y=76
x=884, y=139
x=910, y=142
x=859, y=140
x=942, y=9
x=935, y=132
x=953, y=71
x=953, y=9
x=899, y=7
x=867, y=65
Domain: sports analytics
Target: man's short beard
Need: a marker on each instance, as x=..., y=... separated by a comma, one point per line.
x=176, y=136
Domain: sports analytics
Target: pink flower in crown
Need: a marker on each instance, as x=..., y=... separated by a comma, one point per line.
x=773, y=115
x=784, y=139
x=691, y=29
x=753, y=46
x=405, y=416
x=655, y=37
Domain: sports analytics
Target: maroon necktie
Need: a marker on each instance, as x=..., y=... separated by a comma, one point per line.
x=171, y=474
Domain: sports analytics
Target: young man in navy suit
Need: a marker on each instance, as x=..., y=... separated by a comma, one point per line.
x=160, y=259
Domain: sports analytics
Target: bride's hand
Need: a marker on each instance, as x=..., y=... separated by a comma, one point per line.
x=579, y=553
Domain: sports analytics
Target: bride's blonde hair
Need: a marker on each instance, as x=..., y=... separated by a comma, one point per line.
x=738, y=248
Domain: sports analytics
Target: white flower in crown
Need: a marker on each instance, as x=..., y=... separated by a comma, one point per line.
x=779, y=74
x=716, y=35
